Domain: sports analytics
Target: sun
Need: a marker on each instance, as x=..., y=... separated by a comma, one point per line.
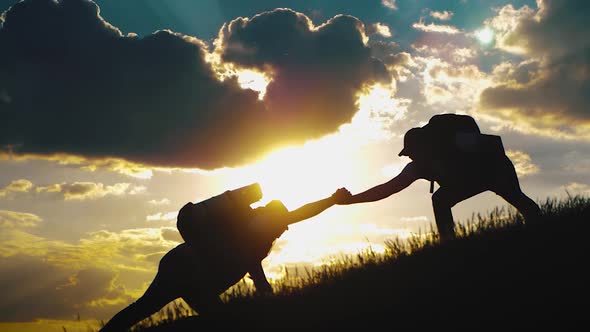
x=485, y=35
x=298, y=175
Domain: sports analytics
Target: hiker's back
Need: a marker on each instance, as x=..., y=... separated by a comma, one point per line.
x=456, y=148
x=214, y=224
x=445, y=132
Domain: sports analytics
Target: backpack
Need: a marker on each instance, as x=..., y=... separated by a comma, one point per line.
x=215, y=224
x=454, y=139
x=447, y=132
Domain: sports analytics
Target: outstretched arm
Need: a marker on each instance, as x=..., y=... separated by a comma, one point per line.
x=314, y=208
x=407, y=176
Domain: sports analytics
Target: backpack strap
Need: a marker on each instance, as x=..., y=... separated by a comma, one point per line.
x=431, y=186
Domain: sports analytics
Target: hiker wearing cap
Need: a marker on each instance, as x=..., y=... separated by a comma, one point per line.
x=451, y=151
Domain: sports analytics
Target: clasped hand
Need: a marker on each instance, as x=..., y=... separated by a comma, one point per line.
x=342, y=195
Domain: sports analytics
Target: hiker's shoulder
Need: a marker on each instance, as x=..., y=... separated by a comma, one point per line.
x=415, y=170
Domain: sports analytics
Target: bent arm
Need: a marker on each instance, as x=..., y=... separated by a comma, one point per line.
x=407, y=176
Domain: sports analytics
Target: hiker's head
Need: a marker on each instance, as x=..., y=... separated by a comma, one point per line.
x=413, y=143
x=275, y=208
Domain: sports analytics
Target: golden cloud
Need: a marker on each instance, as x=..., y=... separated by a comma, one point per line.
x=16, y=186
x=122, y=251
x=120, y=166
x=90, y=190
x=576, y=188
x=457, y=85
x=162, y=201
x=547, y=93
x=161, y=216
x=522, y=163
x=13, y=219
x=505, y=23
x=380, y=29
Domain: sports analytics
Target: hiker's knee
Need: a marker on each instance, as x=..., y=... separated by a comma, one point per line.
x=202, y=303
x=441, y=200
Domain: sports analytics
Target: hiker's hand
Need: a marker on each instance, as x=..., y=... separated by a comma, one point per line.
x=341, y=196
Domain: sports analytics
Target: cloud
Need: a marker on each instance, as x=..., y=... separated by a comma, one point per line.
x=547, y=93
x=78, y=86
x=391, y=4
x=576, y=188
x=316, y=71
x=446, y=42
x=554, y=28
x=444, y=15
x=33, y=288
x=87, y=164
x=163, y=201
x=89, y=190
x=161, y=216
x=415, y=219
x=95, y=277
x=16, y=186
x=171, y=234
x=381, y=29
x=397, y=62
x=13, y=219
x=505, y=23
x=432, y=27
x=522, y=163
x=462, y=55
x=456, y=86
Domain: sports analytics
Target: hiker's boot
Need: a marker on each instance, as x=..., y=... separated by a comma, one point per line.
x=447, y=234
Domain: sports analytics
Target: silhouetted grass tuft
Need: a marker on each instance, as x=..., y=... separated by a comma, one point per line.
x=499, y=271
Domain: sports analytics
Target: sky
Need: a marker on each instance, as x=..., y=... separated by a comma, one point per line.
x=114, y=114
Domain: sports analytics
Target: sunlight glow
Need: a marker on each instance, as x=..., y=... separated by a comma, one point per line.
x=254, y=80
x=377, y=110
x=297, y=175
x=485, y=35
x=322, y=243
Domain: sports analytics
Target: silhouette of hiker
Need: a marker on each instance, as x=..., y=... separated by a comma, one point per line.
x=198, y=278
x=451, y=151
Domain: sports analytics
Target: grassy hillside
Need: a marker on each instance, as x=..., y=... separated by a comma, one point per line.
x=498, y=273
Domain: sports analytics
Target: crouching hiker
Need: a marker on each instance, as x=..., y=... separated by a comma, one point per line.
x=451, y=150
x=190, y=272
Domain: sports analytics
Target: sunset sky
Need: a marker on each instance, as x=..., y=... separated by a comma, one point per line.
x=114, y=114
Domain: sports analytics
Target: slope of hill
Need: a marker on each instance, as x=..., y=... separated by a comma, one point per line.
x=506, y=276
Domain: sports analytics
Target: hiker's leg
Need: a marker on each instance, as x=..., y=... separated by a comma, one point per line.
x=155, y=297
x=205, y=305
x=508, y=187
x=442, y=201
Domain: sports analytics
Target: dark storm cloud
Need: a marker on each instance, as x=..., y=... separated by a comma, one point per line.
x=551, y=92
x=316, y=70
x=72, y=83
